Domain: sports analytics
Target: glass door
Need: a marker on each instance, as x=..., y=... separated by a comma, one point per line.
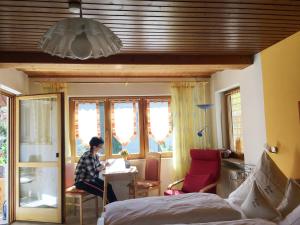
x=38, y=158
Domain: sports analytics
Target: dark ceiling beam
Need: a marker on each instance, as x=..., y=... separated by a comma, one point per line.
x=138, y=59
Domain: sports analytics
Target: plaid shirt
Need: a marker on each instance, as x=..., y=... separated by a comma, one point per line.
x=86, y=169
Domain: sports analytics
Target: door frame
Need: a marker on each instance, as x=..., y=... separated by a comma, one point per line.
x=10, y=153
x=61, y=162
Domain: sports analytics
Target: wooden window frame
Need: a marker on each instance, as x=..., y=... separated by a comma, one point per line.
x=228, y=119
x=143, y=130
x=163, y=154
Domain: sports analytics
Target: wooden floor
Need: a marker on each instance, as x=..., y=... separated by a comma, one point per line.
x=89, y=217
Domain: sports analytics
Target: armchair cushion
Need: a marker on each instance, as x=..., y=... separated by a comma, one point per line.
x=193, y=183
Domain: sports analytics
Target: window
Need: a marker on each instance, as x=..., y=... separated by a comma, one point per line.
x=159, y=125
x=125, y=126
x=89, y=122
x=234, y=112
x=138, y=124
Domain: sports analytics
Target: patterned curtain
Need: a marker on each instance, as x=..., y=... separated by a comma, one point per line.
x=87, y=120
x=159, y=121
x=123, y=120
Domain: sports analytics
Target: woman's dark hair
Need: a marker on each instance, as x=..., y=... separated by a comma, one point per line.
x=95, y=141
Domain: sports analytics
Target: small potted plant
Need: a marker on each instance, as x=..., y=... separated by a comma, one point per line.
x=124, y=154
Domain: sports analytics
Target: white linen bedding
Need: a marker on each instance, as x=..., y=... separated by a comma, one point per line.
x=184, y=208
x=235, y=222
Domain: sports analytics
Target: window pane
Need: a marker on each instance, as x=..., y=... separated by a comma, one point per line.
x=38, y=130
x=90, y=123
x=236, y=118
x=125, y=127
x=35, y=190
x=159, y=126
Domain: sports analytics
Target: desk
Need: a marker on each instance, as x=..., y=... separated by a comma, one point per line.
x=117, y=168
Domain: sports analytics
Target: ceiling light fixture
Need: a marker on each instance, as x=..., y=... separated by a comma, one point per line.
x=80, y=38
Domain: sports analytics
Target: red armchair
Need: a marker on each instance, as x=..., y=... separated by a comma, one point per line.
x=203, y=175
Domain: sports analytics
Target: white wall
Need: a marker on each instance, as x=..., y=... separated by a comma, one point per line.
x=253, y=121
x=14, y=79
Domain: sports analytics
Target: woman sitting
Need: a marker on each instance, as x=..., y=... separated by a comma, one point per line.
x=88, y=169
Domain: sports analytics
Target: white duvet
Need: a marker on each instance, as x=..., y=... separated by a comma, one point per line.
x=236, y=222
x=184, y=208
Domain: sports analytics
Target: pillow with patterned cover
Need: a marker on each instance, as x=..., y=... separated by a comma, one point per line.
x=291, y=198
x=293, y=218
x=257, y=205
x=271, y=181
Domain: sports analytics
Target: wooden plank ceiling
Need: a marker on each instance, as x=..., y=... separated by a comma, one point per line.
x=161, y=27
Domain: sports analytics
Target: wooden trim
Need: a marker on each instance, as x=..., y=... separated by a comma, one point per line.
x=145, y=130
x=108, y=133
x=232, y=91
x=63, y=153
x=144, y=59
x=229, y=120
x=167, y=154
x=12, y=168
x=226, y=122
x=87, y=99
x=39, y=96
x=142, y=128
x=72, y=130
x=5, y=93
x=37, y=164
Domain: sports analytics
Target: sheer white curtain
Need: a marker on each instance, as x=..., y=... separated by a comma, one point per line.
x=188, y=119
x=36, y=118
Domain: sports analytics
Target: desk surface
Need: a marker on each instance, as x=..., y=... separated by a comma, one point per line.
x=117, y=166
x=109, y=171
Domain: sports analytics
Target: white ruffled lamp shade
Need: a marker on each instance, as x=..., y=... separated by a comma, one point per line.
x=80, y=38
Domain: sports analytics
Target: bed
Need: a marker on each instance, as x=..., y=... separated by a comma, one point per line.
x=234, y=222
x=185, y=208
x=256, y=201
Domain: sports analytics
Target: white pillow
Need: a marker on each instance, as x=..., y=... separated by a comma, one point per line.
x=291, y=198
x=256, y=205
x=293, y=218
x=239, y=195
x=268, y=177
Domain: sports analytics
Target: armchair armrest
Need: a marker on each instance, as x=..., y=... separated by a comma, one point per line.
x=206, y=188
x=175, y=183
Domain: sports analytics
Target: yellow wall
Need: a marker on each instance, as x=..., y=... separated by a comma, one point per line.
x=281, y=78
